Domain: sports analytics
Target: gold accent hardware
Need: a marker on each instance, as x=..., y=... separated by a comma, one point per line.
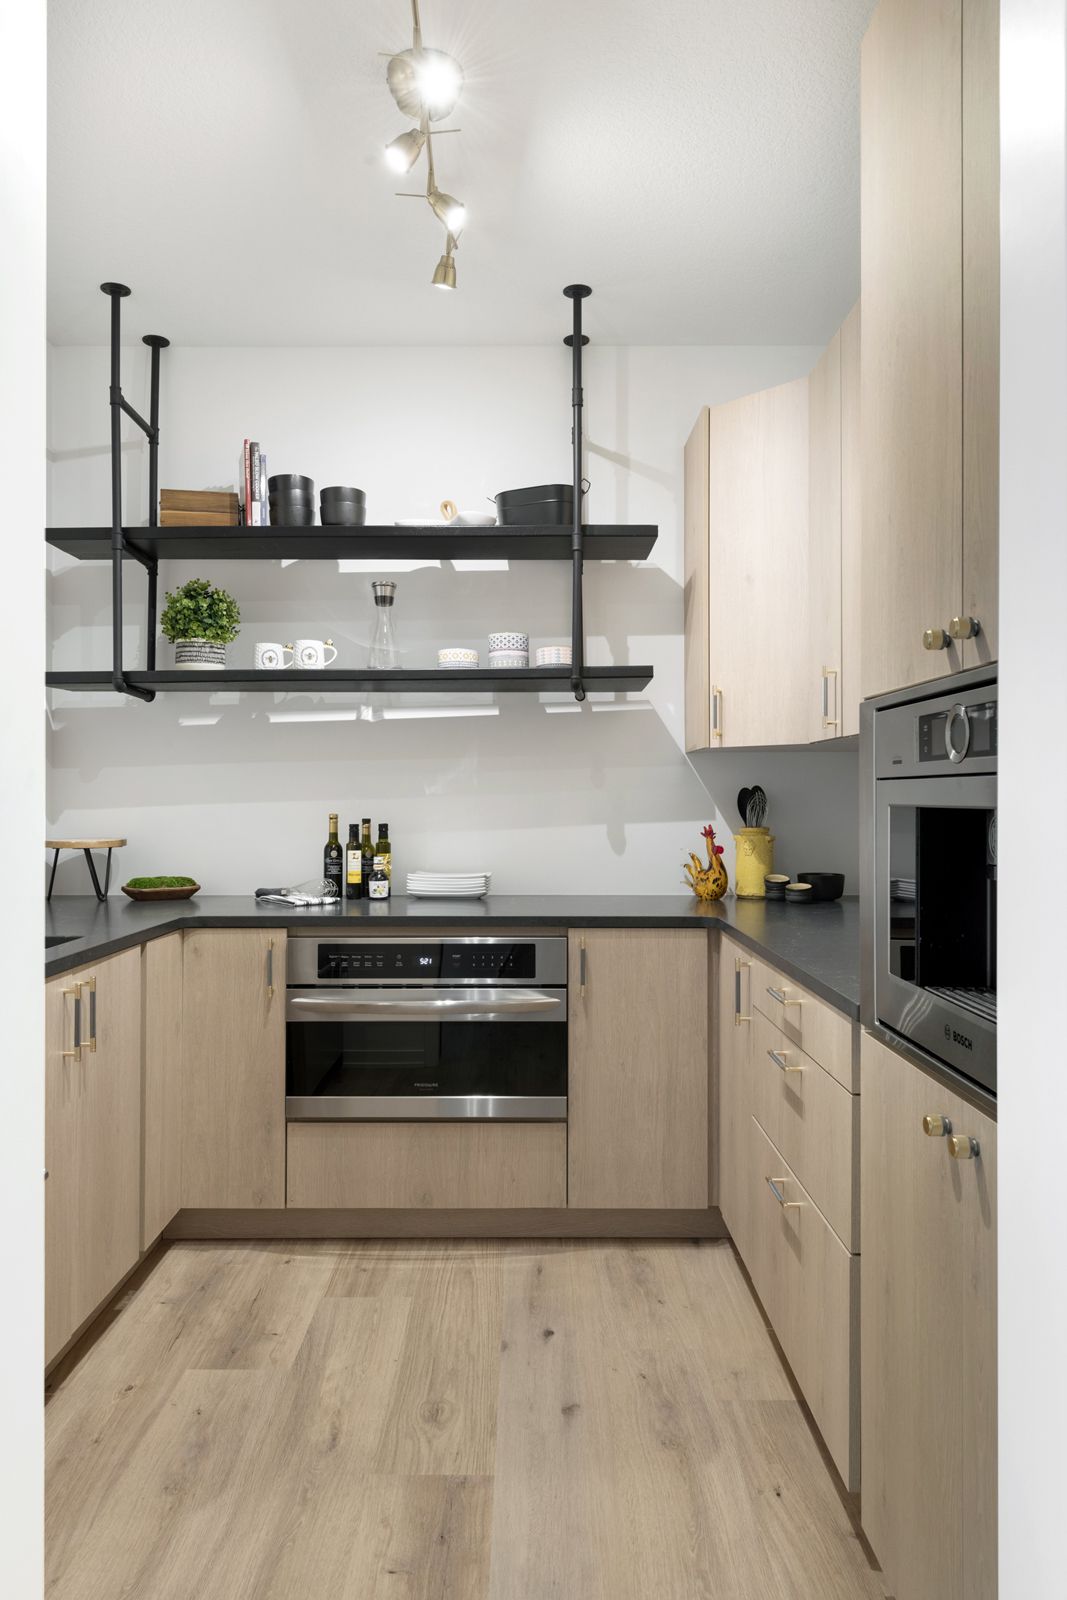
x=581, y=968
x=774, y=1184
x=91, y=1041
x=782, y=997
x=739, y=1015
x=827, y=720
x=716, y=712
x=781, y=1061
x=75, y=1054
x=962, y=1147
x=937, y=1127
x=965, y=627
x=270, y=963
x=935, y=639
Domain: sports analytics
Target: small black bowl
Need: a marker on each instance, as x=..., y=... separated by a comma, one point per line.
x=342, y=514
x=292, y=514
x=825, y=885
x=774, y=886
x=340, y=493
x=800, y=893
x=284, y=482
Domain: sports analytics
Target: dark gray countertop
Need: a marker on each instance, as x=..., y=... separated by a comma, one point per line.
x=816, y=945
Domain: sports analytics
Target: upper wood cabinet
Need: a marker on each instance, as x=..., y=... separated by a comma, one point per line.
x=233, y=1068
x=851, y=522
x=928, y=1333
x=696, y=595
x=930, y=334
x=638, y=1069
x=92, y=1139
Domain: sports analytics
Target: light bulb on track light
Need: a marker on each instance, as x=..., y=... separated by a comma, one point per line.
x=444, y=274
x=448, y=210
x=422, y=80
x=403, y=152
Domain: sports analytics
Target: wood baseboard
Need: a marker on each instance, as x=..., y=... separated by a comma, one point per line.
x=309, y=1223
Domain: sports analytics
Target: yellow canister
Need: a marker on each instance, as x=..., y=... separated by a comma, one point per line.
x=755, y=858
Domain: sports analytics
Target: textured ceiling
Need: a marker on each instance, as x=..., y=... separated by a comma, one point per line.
x=696, y=161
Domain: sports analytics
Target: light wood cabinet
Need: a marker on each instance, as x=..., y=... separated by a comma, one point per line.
x=733, y=1029
x=930, y=359
x=425, y=1165
x=697, y=598
x=161, y=971
x=92, y=1139
x=851, y=523
x=928, y=1330
x=638, y=1069
x=233, y=1068
x=824, y=547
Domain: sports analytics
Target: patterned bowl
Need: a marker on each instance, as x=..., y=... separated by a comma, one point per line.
x=508, y=658
x=554, y=655
x=510, y=641
x=457, y=656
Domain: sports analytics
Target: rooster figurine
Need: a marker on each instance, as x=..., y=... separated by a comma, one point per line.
x=707, y=882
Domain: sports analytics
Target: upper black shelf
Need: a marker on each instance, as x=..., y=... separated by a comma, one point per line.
x=603, y=542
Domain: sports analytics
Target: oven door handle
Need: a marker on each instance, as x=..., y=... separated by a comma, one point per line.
x=426, y=1006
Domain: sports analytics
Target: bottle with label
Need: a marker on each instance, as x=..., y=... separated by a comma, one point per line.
x=366, y=850
x=378, y=884
x=383, y=850
x=333, y=859
x=353, y=864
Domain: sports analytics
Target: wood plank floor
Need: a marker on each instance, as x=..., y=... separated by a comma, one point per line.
x=473, y=1420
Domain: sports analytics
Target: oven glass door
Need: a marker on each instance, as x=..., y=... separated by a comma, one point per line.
x=937, y=918
x=379, y=1054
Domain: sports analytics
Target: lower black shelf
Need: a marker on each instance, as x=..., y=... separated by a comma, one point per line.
x=333, y=680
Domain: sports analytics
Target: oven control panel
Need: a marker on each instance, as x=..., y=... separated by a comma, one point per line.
x=441, y=960
x=959, y=732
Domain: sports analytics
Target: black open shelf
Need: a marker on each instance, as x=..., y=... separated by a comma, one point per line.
x=333, y=680
x=432, y=543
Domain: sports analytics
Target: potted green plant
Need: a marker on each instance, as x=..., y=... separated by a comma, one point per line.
x=200, y=621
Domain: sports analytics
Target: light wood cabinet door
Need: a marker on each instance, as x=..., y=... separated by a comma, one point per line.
x=928, y=1336
x=92, y=1140
x=161, y=970
x=912, y=298
x=233, y=1068
x=696, y=597
x=824, y=546
x=758, y=568
x=638, y=1069
x=733, y=1115
x=851, y=523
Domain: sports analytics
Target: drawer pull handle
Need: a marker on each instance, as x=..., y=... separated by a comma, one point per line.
x=781, y=997
x=786, y=1205
x=962, y=1147
x=581, y=969
x=75, y=1054
x=739, y=1015
x=270, y=969
x=91, y=1041
x=937, y=1127
x=780, y=1061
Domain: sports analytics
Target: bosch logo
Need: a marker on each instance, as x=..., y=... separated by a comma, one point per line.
x=962, y=1039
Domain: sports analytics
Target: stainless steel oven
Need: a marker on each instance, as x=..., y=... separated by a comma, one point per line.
x=932, y=874
x=437, y=1028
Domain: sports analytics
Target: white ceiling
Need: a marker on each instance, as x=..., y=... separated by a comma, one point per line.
x=696, y=161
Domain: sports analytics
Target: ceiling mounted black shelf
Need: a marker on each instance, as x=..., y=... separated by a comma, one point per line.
x=432, y=542
x=148, y=546
x=333, y=680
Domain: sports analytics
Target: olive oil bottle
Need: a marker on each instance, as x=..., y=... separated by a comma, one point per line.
x=333, y=859
x=353, y=864
x=381, y=877
x=366, y=850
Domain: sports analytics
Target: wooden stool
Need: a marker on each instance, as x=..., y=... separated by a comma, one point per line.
x=88, y=846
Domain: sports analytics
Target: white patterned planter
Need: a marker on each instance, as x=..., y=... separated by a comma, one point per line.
x=199, y=654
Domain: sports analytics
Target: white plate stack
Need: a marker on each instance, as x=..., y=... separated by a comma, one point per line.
x=423, y=885
x=902, y=889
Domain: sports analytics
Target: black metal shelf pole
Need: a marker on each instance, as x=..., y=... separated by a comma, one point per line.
x=116, y=293
x=155, y=342
x=576, y=293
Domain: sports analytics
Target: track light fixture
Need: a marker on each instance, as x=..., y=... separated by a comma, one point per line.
x=426, y=85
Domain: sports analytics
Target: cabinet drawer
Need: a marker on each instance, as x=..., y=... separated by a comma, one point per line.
x=809, y=1285
x=819, y=1030
x=427, y=1166
x=814, y=1122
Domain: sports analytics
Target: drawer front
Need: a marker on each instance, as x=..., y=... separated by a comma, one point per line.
x=427, y=1166
x=809, y=1285
x=814, y=1122
x=821, y=1032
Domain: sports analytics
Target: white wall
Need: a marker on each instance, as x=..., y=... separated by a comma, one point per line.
x=22, y=432
x=550, y=798
x=1033, y=689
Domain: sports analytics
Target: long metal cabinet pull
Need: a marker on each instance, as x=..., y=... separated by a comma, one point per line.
x=786, y=1205
x=779, y=1059
x=739, y=1016
x=270, y=969
x=76, y=1052
x=91, y=1041
x=581, y=968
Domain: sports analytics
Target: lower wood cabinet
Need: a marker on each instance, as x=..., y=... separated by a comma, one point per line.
x=427, y=1165
x=928, y=1328
x=161, y=971
x=638, y=1069
x=92, y=1139
x=733, y=1022
x=233, y=1068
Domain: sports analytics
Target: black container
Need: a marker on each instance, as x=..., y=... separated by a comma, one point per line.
x=800, y=893
x=825, y=885
x=292, y=513
x=342, y=514
x=548, y=503
x=286, y=482
x=340, y=493
x=774, y=886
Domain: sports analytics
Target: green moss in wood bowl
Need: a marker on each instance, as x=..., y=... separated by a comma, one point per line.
x=160, y=888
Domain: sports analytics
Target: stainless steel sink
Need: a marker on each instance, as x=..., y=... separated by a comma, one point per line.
x=52, y=939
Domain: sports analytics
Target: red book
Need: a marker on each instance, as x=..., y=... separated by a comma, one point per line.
x=248, y=481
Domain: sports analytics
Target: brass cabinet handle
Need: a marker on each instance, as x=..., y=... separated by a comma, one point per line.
x=739, y=1015
x=75, y=1054
x=786, y=1205
x=581, y=968
x=91, y=1041
x=781, y=997
x=780, y=1061
x=716, y=712
x=935, y=639
x=827, y=720
x=937, y=1127
x=965, y=627
x=962, y=1147
x=270, y=969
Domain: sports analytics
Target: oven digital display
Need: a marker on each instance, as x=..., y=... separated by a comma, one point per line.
x=983, y=740
x=445, y=961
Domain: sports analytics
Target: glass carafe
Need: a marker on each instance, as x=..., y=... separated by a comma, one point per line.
x=384, y=650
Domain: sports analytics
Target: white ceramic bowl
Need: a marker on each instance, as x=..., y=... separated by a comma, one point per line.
x=473, y=519
x=510, y=641
x=508, y=658
x=457, y=657
x=554, y=655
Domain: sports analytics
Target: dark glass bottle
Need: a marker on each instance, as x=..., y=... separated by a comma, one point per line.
x=333, y=858
x=383, y=851
x=353, y=864
x=366, y=850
